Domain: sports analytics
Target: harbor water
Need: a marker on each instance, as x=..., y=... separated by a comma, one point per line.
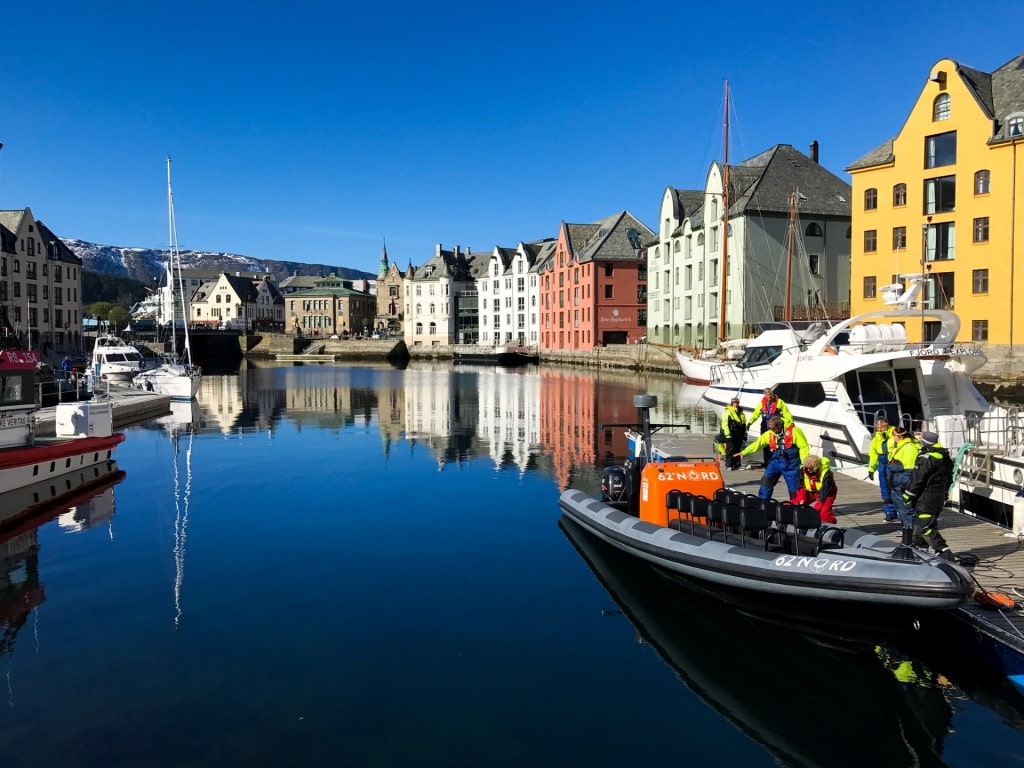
x=366, y=566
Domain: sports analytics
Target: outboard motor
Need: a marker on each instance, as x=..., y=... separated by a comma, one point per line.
x=613, y=486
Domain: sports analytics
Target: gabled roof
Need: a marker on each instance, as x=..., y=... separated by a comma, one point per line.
x=242, y=286
x=689, y=206
x=12, y=220
x=618, y=236
x=765, y=182
x=998, y=95
x=452, y=264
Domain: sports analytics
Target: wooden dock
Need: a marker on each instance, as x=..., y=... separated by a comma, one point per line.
x=130, y=406
x=858, y=505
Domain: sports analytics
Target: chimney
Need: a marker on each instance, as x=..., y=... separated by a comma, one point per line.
x=814, y=151
x=457, y=249
x=437, y=251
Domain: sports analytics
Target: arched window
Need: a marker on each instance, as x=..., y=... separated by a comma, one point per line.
x=419, y=329
x=813, y=230
x=870, y=199
x=700, y=240
x=940, y=107
x=675, y=247
x=899, y=195
x=431, y=309
x=982, y=179
x=433, y=329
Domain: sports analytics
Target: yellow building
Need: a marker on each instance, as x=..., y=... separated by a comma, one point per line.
x=945, y=198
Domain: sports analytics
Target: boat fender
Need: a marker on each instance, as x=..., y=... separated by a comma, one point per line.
x=830, y=350
x=988, y=599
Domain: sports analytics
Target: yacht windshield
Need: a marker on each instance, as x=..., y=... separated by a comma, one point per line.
x=759, y=355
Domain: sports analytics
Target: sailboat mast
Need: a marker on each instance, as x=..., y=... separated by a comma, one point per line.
x=725, y=219
x=175, y=274
x=790, y=237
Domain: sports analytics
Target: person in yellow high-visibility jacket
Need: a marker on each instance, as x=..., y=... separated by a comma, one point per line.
x=770, y=405
x=788, y=448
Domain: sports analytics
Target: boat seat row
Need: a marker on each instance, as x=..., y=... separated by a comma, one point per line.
x=780, y=525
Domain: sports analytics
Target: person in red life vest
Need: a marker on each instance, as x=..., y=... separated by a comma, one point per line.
x=788, y=448
x=770, y=405
x=819, y=487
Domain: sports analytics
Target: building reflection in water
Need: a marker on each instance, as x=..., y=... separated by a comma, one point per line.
x=79, y=500
x=561, y=422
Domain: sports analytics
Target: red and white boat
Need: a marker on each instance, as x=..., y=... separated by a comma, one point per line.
x=84, y=430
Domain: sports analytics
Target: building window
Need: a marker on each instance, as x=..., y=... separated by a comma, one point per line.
x=813, y=230
x=940, y=150
x=899, y=195
x=813, y=263
x=940, y=108
x=940, y=194
x=941, y=241
x=1015, y=125
x=609, y=269
x=979, y=330
x=870, y=241
x=979, y=280
x=982, y=180
x=899, y=238
x=870, y=199
x=608, y=291
x=870, y=284
x=981, y=229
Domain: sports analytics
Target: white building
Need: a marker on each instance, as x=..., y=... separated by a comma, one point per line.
x=509, y=294
x=431, y=295
x=685, y=262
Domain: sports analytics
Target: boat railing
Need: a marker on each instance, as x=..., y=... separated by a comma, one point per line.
x=1000, y=429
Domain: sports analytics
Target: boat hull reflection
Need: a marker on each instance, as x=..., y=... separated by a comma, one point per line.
x=806, y=704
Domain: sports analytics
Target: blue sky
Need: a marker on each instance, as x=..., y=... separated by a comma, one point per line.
x=312, y=131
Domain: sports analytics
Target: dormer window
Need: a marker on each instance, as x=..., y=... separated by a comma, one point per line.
x=940, y=107
x=1015, y=124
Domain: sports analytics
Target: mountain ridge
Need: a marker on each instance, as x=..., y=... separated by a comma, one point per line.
x=147, y=264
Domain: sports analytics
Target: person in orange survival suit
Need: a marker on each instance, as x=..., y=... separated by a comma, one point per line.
x=818, y=488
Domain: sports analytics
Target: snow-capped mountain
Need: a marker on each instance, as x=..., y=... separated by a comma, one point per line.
x=147, y=264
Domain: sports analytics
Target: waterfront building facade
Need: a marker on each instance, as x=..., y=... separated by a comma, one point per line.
x=508, y=290
x=593, y=287
x=766, y=193
x=432, y=294
x=331, y=307
x=944, y=199
x=40, y=284
x=390, y=305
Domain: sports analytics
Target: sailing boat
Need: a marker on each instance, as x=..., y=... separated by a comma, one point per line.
x=697, y=370
x=176, y=377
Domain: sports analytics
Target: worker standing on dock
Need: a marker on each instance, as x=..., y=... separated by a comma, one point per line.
x=770, y=405
x=788, y=448
x=882, y=444
x=926, y=494
x=900, y=467
x=734, y=430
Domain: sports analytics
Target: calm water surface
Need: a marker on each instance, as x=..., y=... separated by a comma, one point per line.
x=365, y=567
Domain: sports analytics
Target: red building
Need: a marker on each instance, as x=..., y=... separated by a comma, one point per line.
x=593, y=289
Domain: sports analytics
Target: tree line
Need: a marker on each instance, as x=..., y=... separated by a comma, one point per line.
x=108, y=297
